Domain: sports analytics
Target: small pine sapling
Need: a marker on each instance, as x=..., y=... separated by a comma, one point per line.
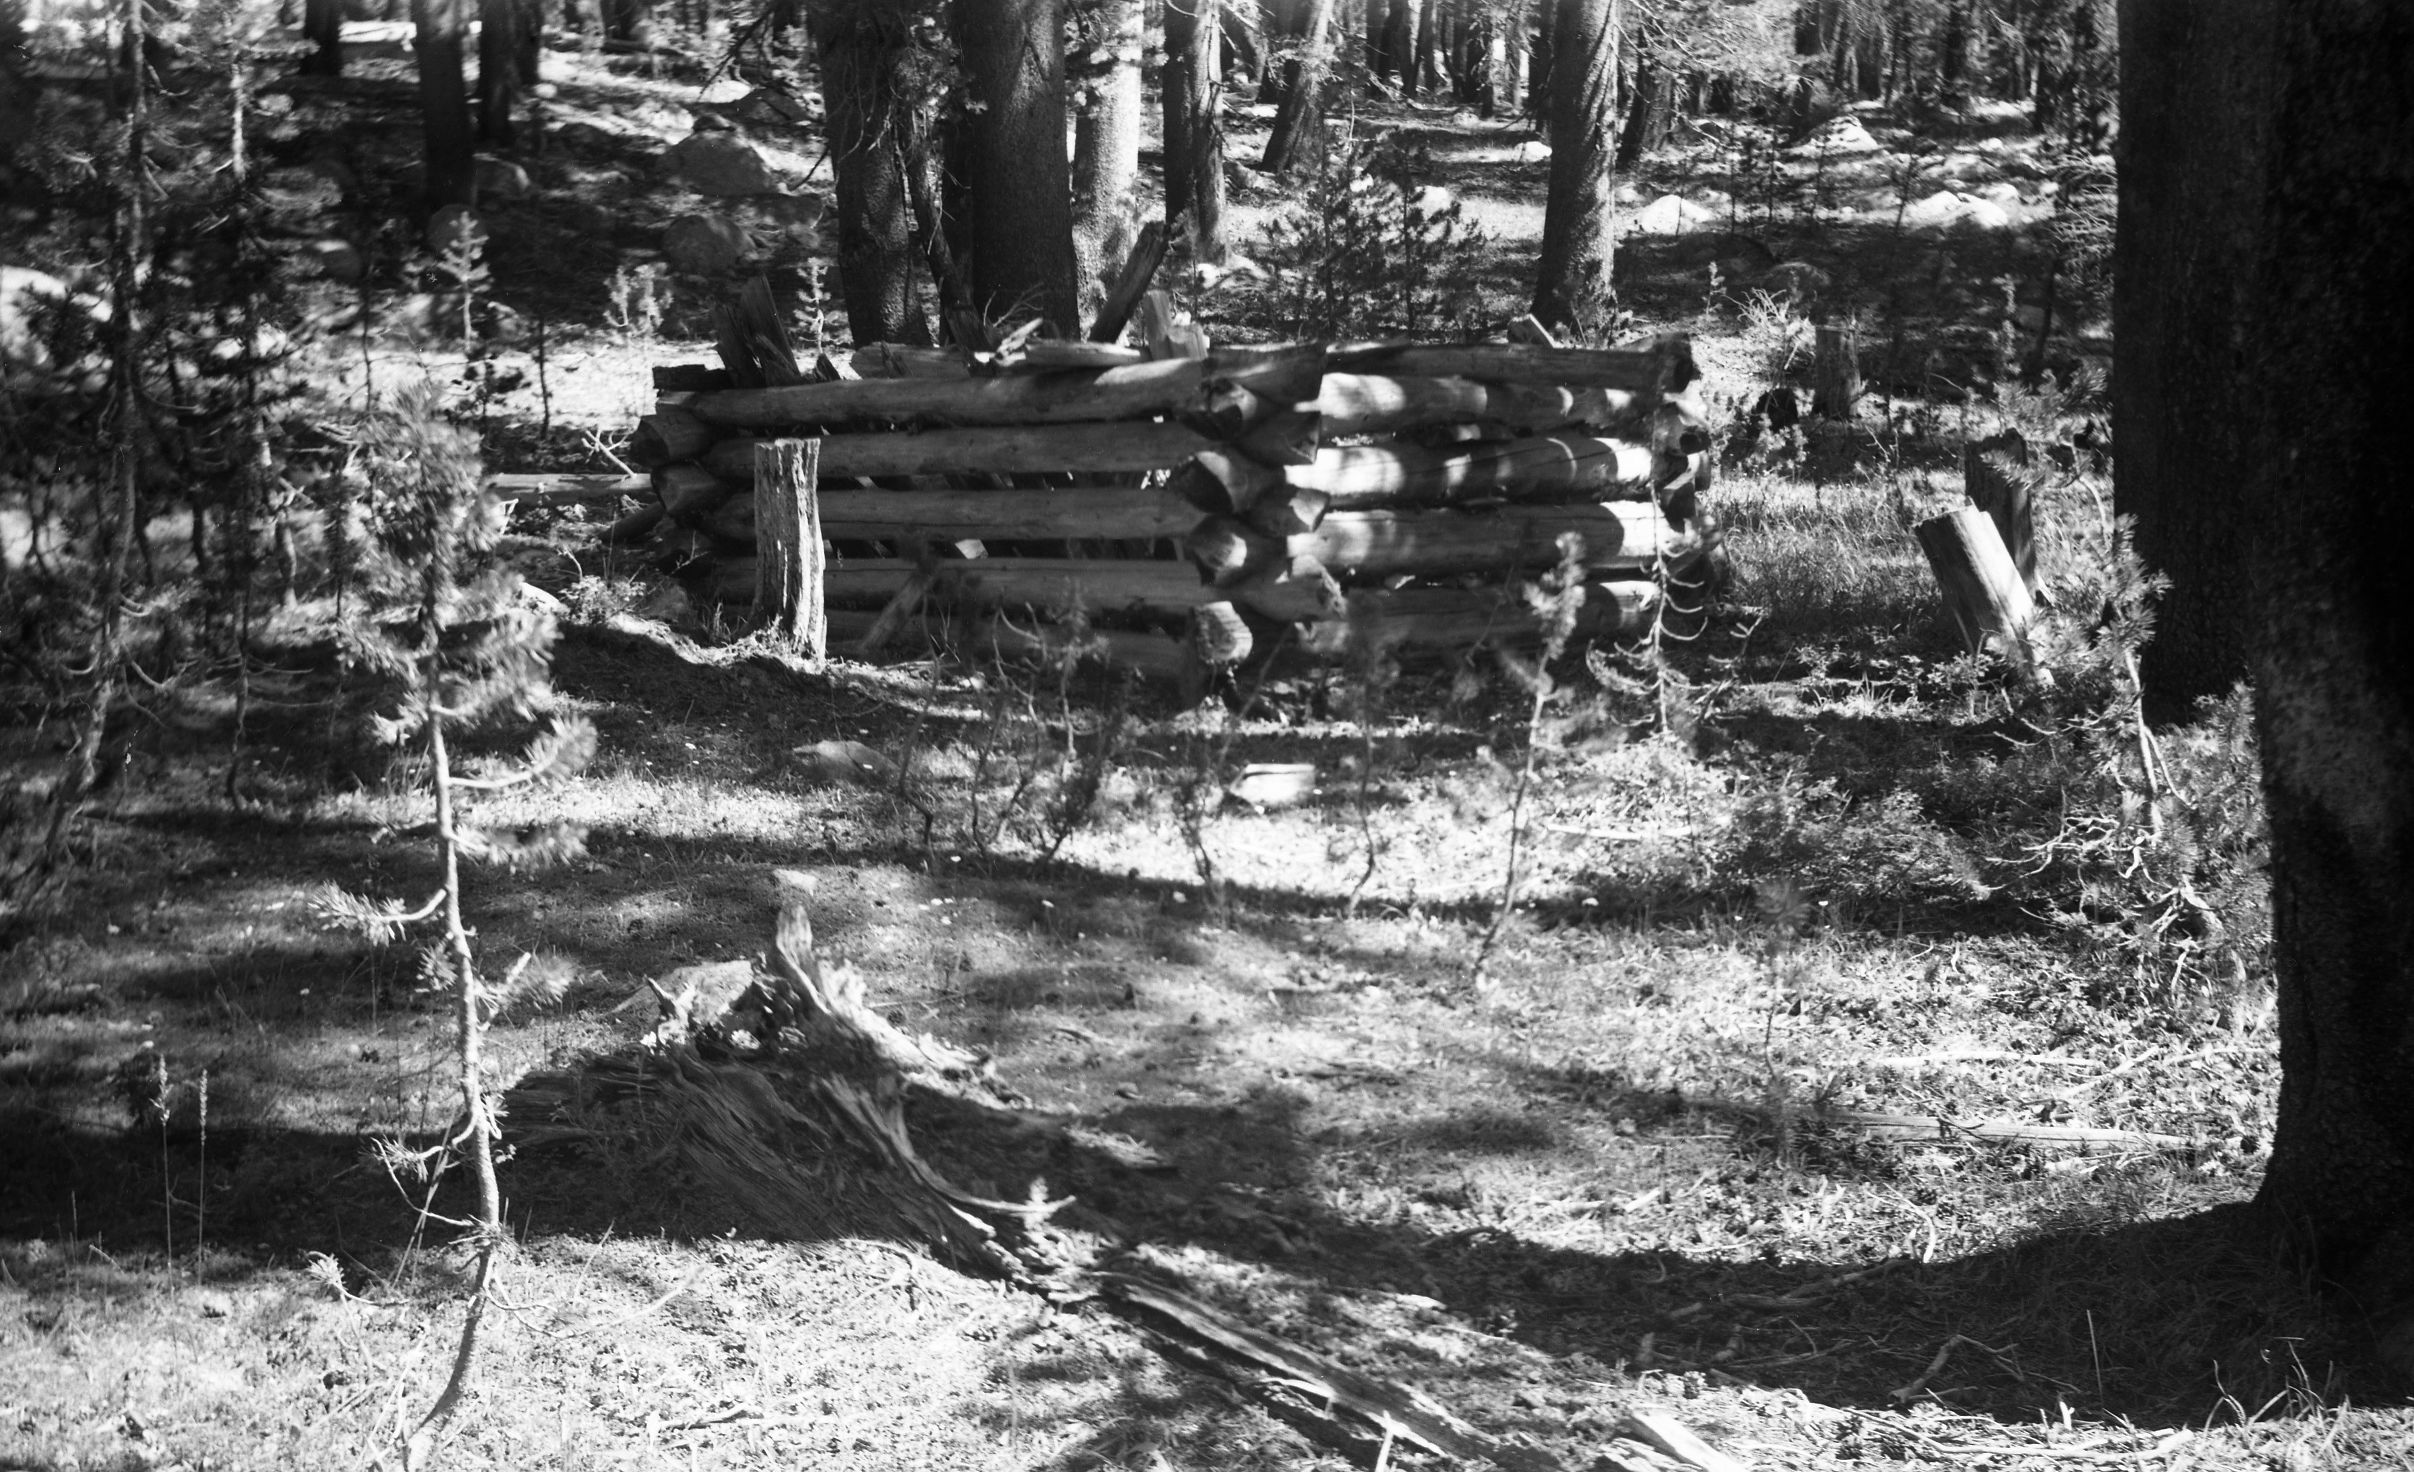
x=455, y=648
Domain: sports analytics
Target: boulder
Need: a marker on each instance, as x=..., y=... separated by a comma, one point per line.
x=1946, y=210
x=722, y=165
x=1668, y=215
x=502, y=178
x=704, y=245
x=1843, y=135
x=1800, y=278
x=337, y=260
x=792, y=210
x=453, y=225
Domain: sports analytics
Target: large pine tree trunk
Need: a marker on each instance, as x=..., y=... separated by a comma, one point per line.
x=1302, y=107
x=2195, y=107
x=1573, y=289
x=1194, y=130
x=323, y=27
x=442, y=41
x=506, y=29
x=1022, y=202
x=1106, y=146
x=2326, y=335
x=1428, y=60
x=867, y=76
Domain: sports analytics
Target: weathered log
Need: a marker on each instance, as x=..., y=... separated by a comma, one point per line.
x=1994, y=471
x=1223, y=549
x=1283, y=515
x=788, y=546
x=667, y=436
x=1049, y=355
x=691, y=492
x=1283, y=374
x=1366, y=403
x=1002, y=450
x=1625, y=535
x=546, y=488
x=689, y=377
x=1139, y=391
x=1164, y=330
x=1543, y=467
x=906, y=602
x=1983, y=591
x=1638, y=370
x=895, y=360
x=635, y=526
x=1166, y=590
x=1836, y=370
x=1461, y=618
x=1156, y=656
x=1009, y=516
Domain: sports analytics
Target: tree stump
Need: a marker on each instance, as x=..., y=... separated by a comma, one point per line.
x=1995, y=472
x=1837, y=384
x=1989, y=603
x=787, y=540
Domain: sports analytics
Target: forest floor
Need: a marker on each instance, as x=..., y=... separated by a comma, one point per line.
x=1612, y=1172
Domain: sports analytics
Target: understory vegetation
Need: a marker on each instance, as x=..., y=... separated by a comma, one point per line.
x=1860, y=1048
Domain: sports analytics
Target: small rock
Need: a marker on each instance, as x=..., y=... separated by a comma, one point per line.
x=722, y=165
x=586, y=137
x=214, y=1304
x=792, y=210
x=1945, y=210
x=669, y=604
x=502, y=178
x=773, y=107
x=1799, y=277
x=704, y=245
x=1668, y=215
x=845, y=761
x=544, y=91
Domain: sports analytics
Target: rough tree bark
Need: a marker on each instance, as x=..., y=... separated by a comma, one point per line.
x=443, y=33
x=507, y=31
x=867, y=85
x=1302, y=91
x=1106, y=145
x=2195, y=105
x=323, y=27
x=2327, y=327
x=1022, y=202
x=1573, y=285
x=1194, y=129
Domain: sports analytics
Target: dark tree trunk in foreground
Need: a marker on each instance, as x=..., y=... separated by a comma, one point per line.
x=1302, y=91
x=1650, y=113
x=867, y=76
x=1106, y=146
x=1022, y=202
x=506, y=31
x=443, y=34
x=1194, y=130
x=2327, y=336
x=323, y=27
x=2195, y=110
x=1573, y=289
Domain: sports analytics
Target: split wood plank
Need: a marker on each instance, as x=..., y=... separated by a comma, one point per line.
x=1641, y=370
x=1001, y=450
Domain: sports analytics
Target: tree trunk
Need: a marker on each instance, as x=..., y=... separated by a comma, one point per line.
x=867, y=84
x=2195, y=97
x=1194, y=130
x=2329, y=318
x=628, y=21
x=443, y=30
x=1426, y=65
x=505, y=29
x=1573, y=289
x=1649, y=112
x=323, y=26
x=1539, y=63
x=1106, y=147
x=1302, y=92
x=1022, y=203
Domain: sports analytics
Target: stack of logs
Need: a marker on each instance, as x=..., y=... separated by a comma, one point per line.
x=1203, y=505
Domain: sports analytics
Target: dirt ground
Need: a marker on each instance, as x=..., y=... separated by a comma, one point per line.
x=1612, y=1171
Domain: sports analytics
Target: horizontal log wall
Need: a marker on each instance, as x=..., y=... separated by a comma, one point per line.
x=1221, y=493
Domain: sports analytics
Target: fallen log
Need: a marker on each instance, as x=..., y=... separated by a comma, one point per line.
x=1137, y=391
x=1639, y=370
x=692, y=492
x=1011, y=516
x=1622, y=535
x=1002, y=450
x=551, y=489
x=1367, y=403
x=1461, y=618
x=1054, y=586
x=669, y=435
x=1394, y=474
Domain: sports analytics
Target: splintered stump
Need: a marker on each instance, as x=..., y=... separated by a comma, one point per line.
x=1995, y=471
x=1836, y=383
x=788, y=545
x=1982, y=586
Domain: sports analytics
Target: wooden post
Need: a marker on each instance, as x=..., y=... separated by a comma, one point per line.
x=1982, y=588
x=1838, y=370
x=787, y=539
x=1993, y=470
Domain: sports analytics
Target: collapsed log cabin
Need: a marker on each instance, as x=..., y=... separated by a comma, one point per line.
x=1197, y=503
